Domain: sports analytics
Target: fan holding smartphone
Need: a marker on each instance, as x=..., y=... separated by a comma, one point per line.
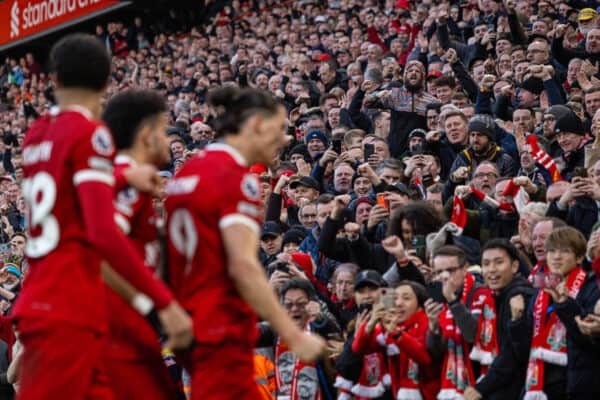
x=453, y=308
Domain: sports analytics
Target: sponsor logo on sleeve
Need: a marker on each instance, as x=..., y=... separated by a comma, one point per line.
x=102, y=141
x=250, y=187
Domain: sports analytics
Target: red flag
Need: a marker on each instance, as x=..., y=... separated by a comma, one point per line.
x=459, y=215
x=519, y=195
x=543, y=158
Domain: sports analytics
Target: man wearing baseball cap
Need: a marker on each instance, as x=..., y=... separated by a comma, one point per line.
x=587, y=19
x=306, y=188
x=350, y=378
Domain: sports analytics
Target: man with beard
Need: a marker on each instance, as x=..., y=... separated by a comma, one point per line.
x=482, y=147
x=408, y=105
x=294, y=377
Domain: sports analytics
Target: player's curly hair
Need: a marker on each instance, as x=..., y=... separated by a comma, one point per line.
x=233, y=106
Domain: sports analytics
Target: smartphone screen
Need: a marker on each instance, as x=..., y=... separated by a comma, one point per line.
x=387, y=298
x=336, y=145
x=382, y=201
x=434, y=290
x=369, y=150
x=418, y=243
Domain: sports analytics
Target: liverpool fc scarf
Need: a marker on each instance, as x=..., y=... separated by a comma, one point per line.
x=285, y=362
x=370, y=383
x=457, y=372
x=485, y=347
x=549, y=342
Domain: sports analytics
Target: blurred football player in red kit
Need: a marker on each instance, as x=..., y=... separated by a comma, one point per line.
x=138, y=121
x=213, y=217
x=69, y=190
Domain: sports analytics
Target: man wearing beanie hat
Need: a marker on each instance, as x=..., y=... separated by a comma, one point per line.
x=529, y=94
x=482, y=147
x=292, y=239
x=570, y=135
x=299, y=152
x=316, y=142
x=548, y=137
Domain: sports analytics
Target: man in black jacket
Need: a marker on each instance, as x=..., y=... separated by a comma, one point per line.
x=505, y=376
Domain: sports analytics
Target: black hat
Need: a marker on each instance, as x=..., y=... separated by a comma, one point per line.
x=484, y=124
x=557, y=111
x=368, y=277
x=293, y=236
x=305, y=181
x=533, y=85
x=398, y=187
x=300, y=149
x=417, y=133
x=270, y=228
x=569, y=123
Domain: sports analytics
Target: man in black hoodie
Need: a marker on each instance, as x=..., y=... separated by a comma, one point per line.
x=506, y=374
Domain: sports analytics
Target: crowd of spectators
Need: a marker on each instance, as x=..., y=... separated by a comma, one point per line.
x=448, y=150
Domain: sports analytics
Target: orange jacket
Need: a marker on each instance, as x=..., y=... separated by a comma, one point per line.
x=264, y=375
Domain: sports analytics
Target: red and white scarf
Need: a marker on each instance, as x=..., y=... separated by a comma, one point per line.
x=404, y=371
x=457, y=372
x=549, y=342
x=485, y=347
x=543, y=158
x=370, y=383
x=304, y=380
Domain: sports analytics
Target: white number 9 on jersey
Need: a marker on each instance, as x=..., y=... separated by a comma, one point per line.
x=40, y=195
x=183, y=235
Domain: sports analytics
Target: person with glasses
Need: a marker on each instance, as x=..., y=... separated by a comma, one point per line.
x=453, y=319
x=201, y=134
x=299, y=299
x=562, y=361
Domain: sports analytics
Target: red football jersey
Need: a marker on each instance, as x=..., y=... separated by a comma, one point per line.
x=136, y=216
x=62, y=150
x=211, y=191
x=132, y=338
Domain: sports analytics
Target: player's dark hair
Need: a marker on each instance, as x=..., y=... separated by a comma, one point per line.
x=80, y=61
x=126, y=112
x=234, y=106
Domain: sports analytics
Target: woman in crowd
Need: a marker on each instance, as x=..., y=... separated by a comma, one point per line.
x=400, y=332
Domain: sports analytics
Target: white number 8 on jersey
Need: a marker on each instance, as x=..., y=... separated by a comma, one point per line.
x=40, y=195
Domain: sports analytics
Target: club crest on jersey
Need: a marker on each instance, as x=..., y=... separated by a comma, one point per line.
x=250, y=187
x=102, y=141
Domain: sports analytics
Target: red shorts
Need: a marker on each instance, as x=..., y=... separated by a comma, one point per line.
x=147, y=379
x=222, y=372
x=62, y=361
